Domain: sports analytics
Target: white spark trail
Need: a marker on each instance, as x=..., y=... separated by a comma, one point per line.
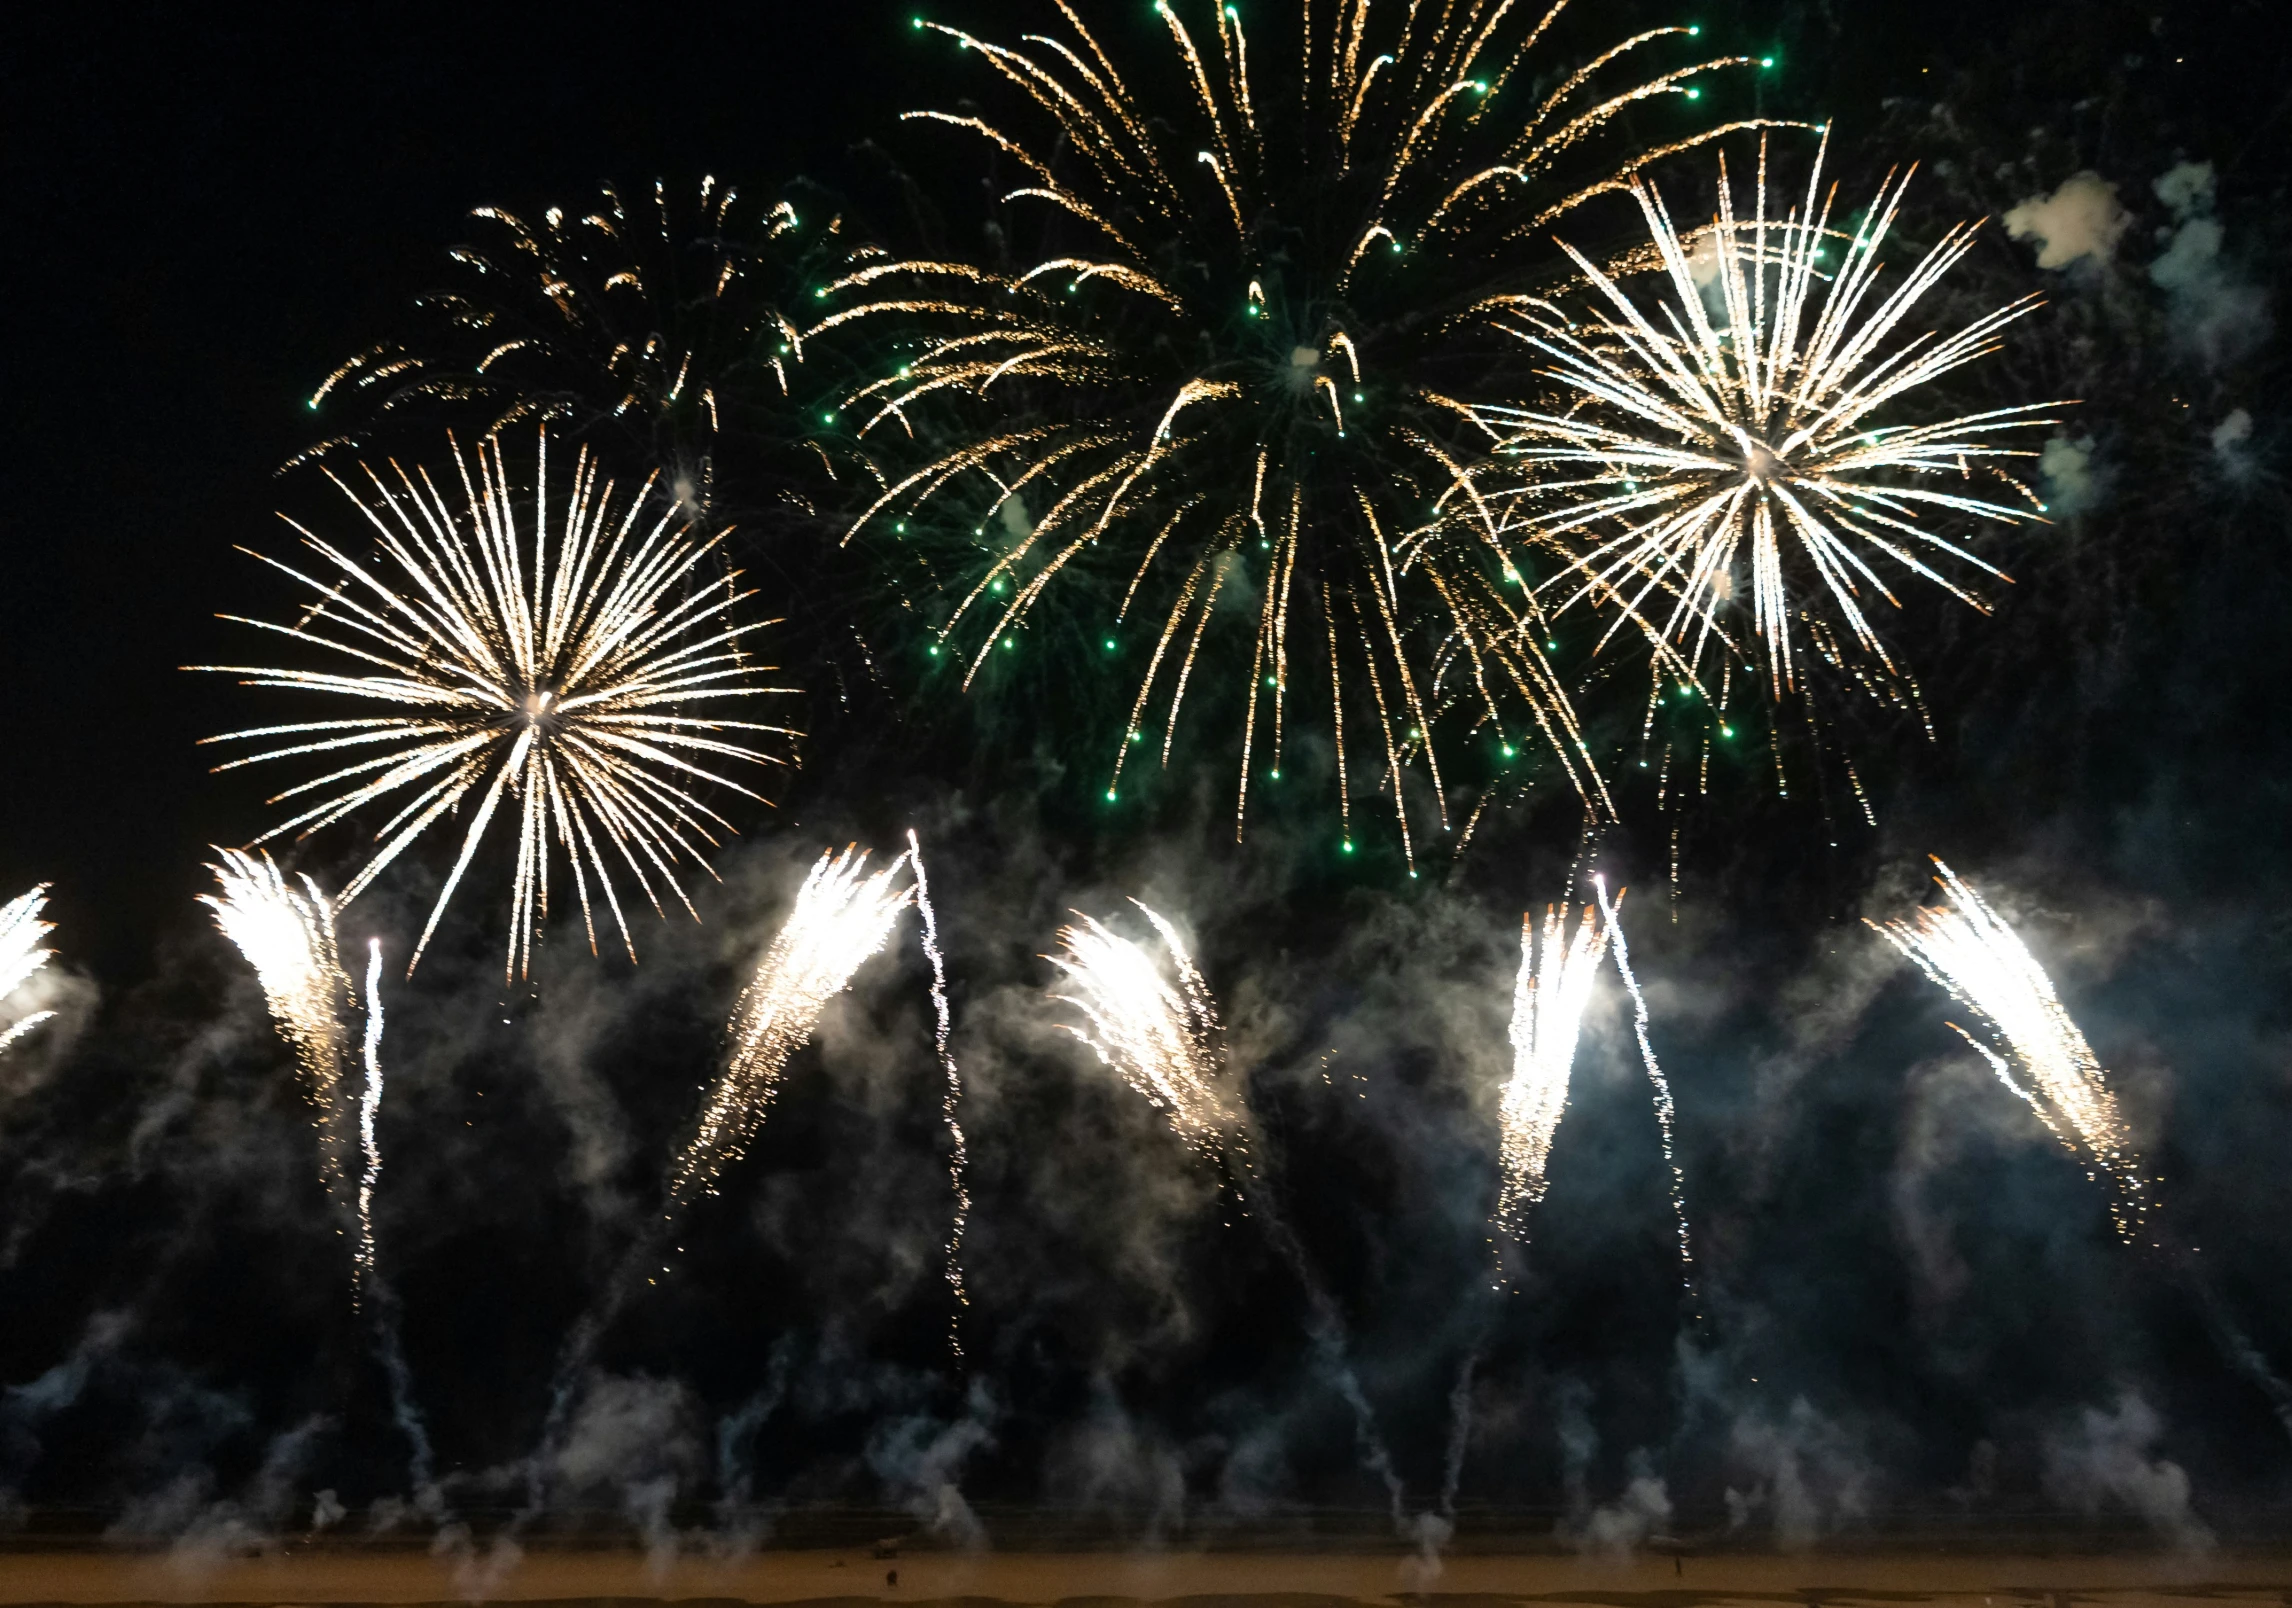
x=1970, y=952
x=1666, y=1113
x=959, y=1156
x=370, y=1107
x=1549, y=998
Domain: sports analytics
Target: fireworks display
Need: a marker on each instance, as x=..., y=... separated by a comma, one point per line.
x=573, y=664
x=1548, y=1003
x=1163, y=1038
x=652, y=321
x=1750, y=457
x=951, y=1098
x=1968, y=949
x=286, y=933
x=843, y=915
x=1234, y=377
x=23, y=953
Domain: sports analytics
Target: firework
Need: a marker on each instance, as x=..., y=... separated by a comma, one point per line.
x=844, y=914
x=369, y=1108
x=573, y=667
x=1164, y=1040
x=286, y=932
x=959, y=1150
x=22, y=954
x=1965, y=947
x=1231, y=378
x=1548, y=1002
x=652, y=322
x=1666, y=1113
x=1750, y=453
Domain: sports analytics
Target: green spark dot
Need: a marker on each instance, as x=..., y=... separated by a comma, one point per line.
x=1110, y=644
x=1137, y=737
x=1269, y=681
x=1358, y=397
x=1695, y=94
x=1694, y=30
x=828, y=417
x=312, y=404
x=1348, y=845
x=919, y=22
x=1010, y=642
x=783, y=347
x=901, y=527
x=935, y=650
x=821, y=294
x=1766, y=61
x=1508, y=751
x=1110, y=795
x=1726, y=731
x=1277, y=775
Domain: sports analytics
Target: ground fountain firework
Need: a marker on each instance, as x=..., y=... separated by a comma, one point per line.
x=23, y=954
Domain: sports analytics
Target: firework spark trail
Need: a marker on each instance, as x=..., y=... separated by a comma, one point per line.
x=842, y=916
x=564, y=669
x=368, y=1283
x=1549, y=998
x=23, y=954
x=1666, y=1113
x=287, y=935
x=959, y=1155
x=1230, y=368
x=1164, y=1041
x=1764, y=435
x=1970, y=952
x=370, y=1107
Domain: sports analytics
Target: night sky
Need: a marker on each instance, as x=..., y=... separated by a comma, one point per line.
x=1910, y=1306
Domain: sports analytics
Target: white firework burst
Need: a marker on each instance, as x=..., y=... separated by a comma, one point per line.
x=23, y=952
x=567, y=658
x=1764, y=416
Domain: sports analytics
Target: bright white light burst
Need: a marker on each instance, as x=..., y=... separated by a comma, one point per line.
x=1754, y=419
x=1548, y=1003
x=569, y=659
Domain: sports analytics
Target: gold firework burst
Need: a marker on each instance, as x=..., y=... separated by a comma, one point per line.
x=566, y=657
x=1228, y=381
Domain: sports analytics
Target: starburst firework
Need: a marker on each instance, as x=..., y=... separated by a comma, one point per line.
x=1766, y=448
x=1548, y=1003
x=843, y=915
x=1968, y=949
x=1234, y=376
x=286, y=932
x=1163, y=1039
x=22, y=954
x=565, y=658
x=652, y=321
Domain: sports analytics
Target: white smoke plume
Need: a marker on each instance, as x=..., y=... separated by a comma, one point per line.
x=2081, y=220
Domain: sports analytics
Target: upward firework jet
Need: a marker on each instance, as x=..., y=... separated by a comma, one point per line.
x=571, y=660
x=1969, y=950
x=286, y=933
x=1666, y=1113
x=22, y=954
x=1754, y=456
x=1548, y=1003
x=843, y=915
x=1230, y=378
x=1165, y=1042
x=1162, y=1039
x=951, y=1101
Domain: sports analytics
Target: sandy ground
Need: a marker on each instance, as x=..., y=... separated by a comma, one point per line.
x=1107, y=1580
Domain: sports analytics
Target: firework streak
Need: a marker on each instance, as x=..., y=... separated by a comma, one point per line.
x=959, y=1153
x=1236, y=365
x=558, y=667
x=287, y=935
x=22, y=954
x=843, y=915
x=1968, y=950
x=1749, y=422
x=1548, y=1003
x=1163, y=1041
x=1666, y=1114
